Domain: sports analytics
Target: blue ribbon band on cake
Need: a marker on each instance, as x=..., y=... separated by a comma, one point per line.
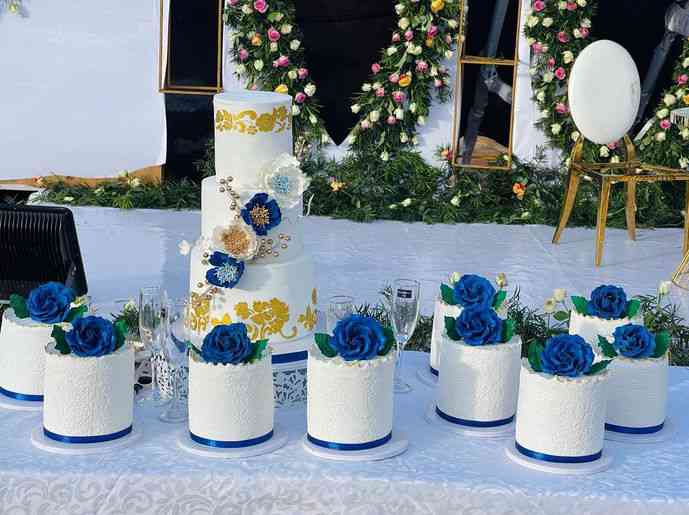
x=290, y=357
x=472, y=423
x=21, y=396
x=87, y=439
x=434, y=371
x=634, y=430
x=350, y=446
x=231, y=444
x=557, y=459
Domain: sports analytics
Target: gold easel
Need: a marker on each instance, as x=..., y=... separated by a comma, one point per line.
x=630, y=172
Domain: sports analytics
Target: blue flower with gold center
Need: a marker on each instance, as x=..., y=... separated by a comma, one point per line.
x=226, y=271
x=262, y=214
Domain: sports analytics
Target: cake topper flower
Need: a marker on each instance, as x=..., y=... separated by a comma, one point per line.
x=262, y=214
x=479, y=325
x=634, y=341
x=90, y=337
x=356, y=338
x=473, y=290
x=50, y=303
x=237, y=240
x=226, y=271
x=565, y=355
x=284, y=180
x=607, y=302
x=230, y=345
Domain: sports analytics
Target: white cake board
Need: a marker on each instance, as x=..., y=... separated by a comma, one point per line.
x=40, y=441
x=17, y=405
x=278, y=440
x=496, y=433
x=664, y=434
x=574, y=469
x=396, y=446
x=425, y=375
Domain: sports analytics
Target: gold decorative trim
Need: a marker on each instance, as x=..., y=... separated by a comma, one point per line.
x=250, y=122
x=200, y=312
x=265, y=318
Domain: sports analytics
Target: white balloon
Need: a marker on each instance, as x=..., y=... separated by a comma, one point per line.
x=604, y=92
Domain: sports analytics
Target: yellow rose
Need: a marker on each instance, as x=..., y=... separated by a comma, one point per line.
x=437, y=5
x=686, y=99
x=405, y=80
x=256, y=40
x=429, y=42
x=282, y=88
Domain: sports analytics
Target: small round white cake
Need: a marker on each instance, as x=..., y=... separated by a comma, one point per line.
x=22, y=356
x=350, y=403
x=478, y=385
x=561, y=419
x=637, y=395
x=590, y=327
x=231, y=405
x=88, y=399
x=442, y=310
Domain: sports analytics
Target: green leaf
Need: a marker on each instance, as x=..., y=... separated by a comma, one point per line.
x=662, y=344
x=447, y=295
x=507, y=330
x=75, y=313
x=598, y=367
x=58, y=335
x=389, y=341
x=193, y=347
x=259, y=347
x=120, y=333
x=561, y=316
x=633, y=308
x=451, y=330
x=535, y=350
x=498, y=299
x=323, y=342
x=581, y=305
x=606, y=347
x=18, y=304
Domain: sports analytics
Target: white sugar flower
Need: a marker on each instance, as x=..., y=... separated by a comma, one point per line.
x=615, y=159
x=246, y=9
x=664, y=288
x=240, y=69
x=412, y=107
x=576, y=33
x=68, y=199
x=403, y=137
x=582, y=3
x=453, y=24
x=273, y=47
x=562, y=6
x=685, y=63
x=310, y=89
x=448, y=53
x=184, y=247
x=455, y=202
x=237, y=240
x=284, y=180
x=549, y=306
x=560, y=294
x=313, y=119
x=540, y=96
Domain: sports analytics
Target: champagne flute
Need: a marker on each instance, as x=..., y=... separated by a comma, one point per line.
x=404, y=314
x=174, y=348
x=339, y=307
x=151, y=305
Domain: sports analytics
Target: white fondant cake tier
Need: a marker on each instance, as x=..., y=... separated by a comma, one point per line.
x=442, y=310
x=88, y=396
x=22, y=354
x=276, y=301
x=230, y=403
x=637, y=393
x=479, y=383
x=251, y=129
x=287, y=237
x=589, y=327
x=561, y=416
x=349, y=402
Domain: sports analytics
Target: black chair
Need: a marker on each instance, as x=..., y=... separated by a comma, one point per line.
x=38, y=244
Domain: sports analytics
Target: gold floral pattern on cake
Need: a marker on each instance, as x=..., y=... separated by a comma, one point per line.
x=265, y=318
x=250, y=122
x=225, y=320
x=309, y=318
x=199, y=314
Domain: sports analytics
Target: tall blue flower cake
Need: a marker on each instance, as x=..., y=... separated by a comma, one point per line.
x=637, y=397
x=562, y=402
x=230, y=389
x=26, y=328
x=89, y=382
x=606, y=310
x=350, y=377
x=479, y=360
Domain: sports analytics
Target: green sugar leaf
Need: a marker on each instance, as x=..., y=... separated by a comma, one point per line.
x=561, y=316
x=662, y=344
x=598, y=367
x=120, y=333
x=58, y=335
x=507, y=330
x=581, y=305
x=389, y=341
x=535, y=350
x=606, y=347
x=447, y=294
x=498, y=299
x=259, y=347
x=450, y=329
x=76, y=312
x=633, y=307
x=323, y=343
x=191, y=347
x=18, y=304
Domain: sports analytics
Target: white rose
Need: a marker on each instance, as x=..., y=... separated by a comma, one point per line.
x=392, y=50
x=376, y=85
x=313, y=119
x=399, y=113
x=296, y=110
x=68, y=199
x=356, y=108
x=455, y=202
x=384, y=156
x=258, y=65
x=530, y=41
x=404, y=138
x=547, y=22
x=421, y=120
x=669, y=99
x=540, y=96
x=325, y=138
x=246, y=9
x=548, y=77
x=577, y=33
x=615, y=159
x=662, y=113
x=555, y=128
x=403, y=23
x=685, y=63
x=562, y=6
x=604, y=151
x=412, y=107
x=273, y=47
x=683, y=162
x=560, y=294
x=292, y=74
x=286, y=28
x=586, y=22
x=374, y=115
x=406, y=202
x=310, y=89
x=399, y=8
x=414, y=141
x=685, y=133
x=295, y=44
x=575, y=136
x=365, y=87
x=453, y=24
x=582, y=3
x=532, y=21
x=240, y=69
x=434, y=71
x=660, y=137
x=568, y=56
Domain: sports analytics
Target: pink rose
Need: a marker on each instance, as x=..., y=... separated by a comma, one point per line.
x=562, y=37
x=421, y=66
x=682, y=79
x=438, y=83
x=283, y=61
x=613, y=145
x=273, y=34
x=253, y=87
x=365, y=124
x=392, y=120
x=300, y=97
x=380, y=92
x=375, y=67
x=537, y=47
x=432, y=31
x=395, y=37
x=551, y=62
x=243, y=54
x=538, y=6
x=561, y=108
x=302, y=73
x=408, y=35
x=571, y=6
x=584, y=32
x=394, y=78
x=398, y=96
x=232, y=2
x=560, y=73
x=261, y=6
x=665, y=124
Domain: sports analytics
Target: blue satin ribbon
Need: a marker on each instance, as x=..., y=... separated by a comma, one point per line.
x=557, y=459
x=472, y=423
x=290, y=357
x=634, y=430
x=87, y=439
x=21, y=396
x=349, y=446
x=434, y=371
x=231, y=444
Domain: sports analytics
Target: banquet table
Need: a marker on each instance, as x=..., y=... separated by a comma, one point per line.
x=440, y=473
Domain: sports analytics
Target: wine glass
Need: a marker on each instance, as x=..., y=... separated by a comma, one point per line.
x=174, y=348
x=404, y=314
x=151, y=305
x=339, y=307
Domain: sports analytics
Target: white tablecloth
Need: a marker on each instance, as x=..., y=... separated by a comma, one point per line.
x=440, y=473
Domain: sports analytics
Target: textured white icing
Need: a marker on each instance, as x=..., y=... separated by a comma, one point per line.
x=479, y=382
x=215, y=211
x=589, y=327
x=637, y=393
x=22, y=353
x=442, y=310
x=88, y=396
x=242, y=155
x=230, y=402
x=559, y=415
x=349, y=401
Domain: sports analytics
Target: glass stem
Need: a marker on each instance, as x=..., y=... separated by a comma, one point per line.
x=398, y=360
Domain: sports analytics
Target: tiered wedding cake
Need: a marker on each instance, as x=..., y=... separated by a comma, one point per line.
x=249, y=265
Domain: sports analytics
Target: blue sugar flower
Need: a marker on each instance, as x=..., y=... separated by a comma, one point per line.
x=608, y=302
x=474, y=290
x=262, y=214
x=479, y=325
x=566, y=355
x=634, y=341
x=227, y=270
x=227, y=344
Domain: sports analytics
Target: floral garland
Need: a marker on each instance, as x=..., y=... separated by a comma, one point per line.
x=268, y=52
